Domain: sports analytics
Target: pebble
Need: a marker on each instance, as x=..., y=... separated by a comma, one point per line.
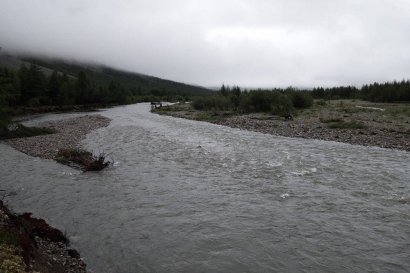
x=69, y=134
x=375, y=134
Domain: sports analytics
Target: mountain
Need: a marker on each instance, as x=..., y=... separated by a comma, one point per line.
x=102, y=74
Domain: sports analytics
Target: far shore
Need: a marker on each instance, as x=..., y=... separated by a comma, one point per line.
x=373, y=125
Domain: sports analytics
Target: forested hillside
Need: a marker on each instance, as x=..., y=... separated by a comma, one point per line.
x=29, y=81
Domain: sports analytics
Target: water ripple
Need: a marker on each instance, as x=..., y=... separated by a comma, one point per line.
x=187, y=196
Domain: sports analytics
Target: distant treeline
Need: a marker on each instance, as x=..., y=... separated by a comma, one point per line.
x=30, y=86
x=276, y=101
x=376, y=92
x=283, y=101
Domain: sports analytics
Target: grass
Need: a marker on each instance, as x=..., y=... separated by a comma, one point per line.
x=19, y=130
x=331, y=120
x=338, y=123
x=81, y=159
x=186, y=110
x=399, y=111
x=212, y=115
x=11, y=260
x=9, y=238
x=345, y=125
x=11, y=252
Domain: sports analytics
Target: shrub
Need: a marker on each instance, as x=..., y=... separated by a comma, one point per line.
x=260, y=101
x=282, y=107
x=212, y=103
x=82, y=159
x=301, y=99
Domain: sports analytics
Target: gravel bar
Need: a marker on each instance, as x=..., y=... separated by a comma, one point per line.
x=69, y=134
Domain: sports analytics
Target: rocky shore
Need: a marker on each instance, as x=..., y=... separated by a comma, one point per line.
x=373, y=134
x=385, y=129
x=29, y=244
x=68, y=136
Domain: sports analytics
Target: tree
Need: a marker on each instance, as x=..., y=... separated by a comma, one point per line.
x=83, y=88
x=32, y=84
x=53, y=87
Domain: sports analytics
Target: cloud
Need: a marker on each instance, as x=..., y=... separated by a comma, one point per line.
x=250, y=43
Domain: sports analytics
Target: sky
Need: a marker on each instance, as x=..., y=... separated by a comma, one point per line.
x=250, y=43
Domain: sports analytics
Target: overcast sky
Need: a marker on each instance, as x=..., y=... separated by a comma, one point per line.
x=251, y=43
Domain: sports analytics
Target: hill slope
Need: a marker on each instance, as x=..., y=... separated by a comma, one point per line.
x=103, y=74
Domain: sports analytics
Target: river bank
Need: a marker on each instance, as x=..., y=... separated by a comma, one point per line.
x=69, y=133
x=29, y=244
x=367, y=124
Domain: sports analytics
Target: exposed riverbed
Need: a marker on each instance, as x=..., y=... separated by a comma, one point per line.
x=187, y=196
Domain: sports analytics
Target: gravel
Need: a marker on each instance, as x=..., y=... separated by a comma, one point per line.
x=69, y=134
x=373, y=134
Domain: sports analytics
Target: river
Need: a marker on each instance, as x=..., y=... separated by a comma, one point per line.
x=188, y=196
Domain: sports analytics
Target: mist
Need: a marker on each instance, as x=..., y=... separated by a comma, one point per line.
x=247, y=43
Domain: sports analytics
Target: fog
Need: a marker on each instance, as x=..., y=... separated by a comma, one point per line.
x=248, y=43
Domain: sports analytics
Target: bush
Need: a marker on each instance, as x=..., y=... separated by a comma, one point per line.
x=212, y=103
x=301, y=99
x=260, y=101
x=282, y=107
x=84, y=160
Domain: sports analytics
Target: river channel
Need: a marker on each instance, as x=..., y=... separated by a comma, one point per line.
x=188, y=196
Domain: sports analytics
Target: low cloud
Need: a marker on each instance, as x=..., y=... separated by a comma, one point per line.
x=248, y=43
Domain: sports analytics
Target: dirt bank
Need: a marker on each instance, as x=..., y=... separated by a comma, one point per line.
x=29, y=244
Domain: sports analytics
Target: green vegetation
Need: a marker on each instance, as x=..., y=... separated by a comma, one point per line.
x=277, y=101
x=284, y=102
x=345, y=125
x=11, y=260
x=82, y=159
x=330, y=120
x=19, y=251
x=338, y=123
x=31, y=87
x=46, y=84
x=19, y=130
x=376, y=92
x=398, y=111
x=9, y=238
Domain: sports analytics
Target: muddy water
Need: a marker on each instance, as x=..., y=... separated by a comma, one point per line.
x=186, y=196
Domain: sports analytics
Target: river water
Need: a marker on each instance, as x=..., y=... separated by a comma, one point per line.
x=187, y=196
